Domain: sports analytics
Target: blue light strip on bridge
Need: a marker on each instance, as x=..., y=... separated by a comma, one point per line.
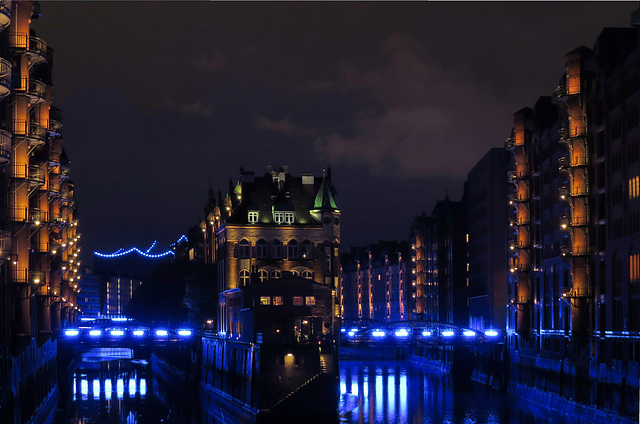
x=121, y=252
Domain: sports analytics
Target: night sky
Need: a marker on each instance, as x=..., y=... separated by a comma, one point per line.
x=162, y=99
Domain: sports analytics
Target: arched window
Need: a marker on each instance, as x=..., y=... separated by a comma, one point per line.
x=276, y=249
x=243, y=249
x=307, y=250
x=261, y=249
x=307, y=274
x=295, y=272
x=263, y=275
x=275, y=274
x=293, y=250
x=244, y=277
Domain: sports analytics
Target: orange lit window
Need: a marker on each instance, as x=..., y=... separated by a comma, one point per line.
x=634, y=187
x=310, y=300
x=298, y=300
x=277, y=300
x=634, y=268
x=265, y=300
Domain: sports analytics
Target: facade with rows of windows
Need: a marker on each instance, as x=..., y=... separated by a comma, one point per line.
x=271, y=227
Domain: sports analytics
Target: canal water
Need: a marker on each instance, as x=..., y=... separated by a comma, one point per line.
x=110, y=386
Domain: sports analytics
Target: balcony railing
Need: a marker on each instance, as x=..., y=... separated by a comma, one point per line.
x=5, y=147
x=564, y=193
x=38, y=277
x=579, y=190
x=19, y=41
x=38, y=216
x=575, y=251
x=5, y=245
x=510, y=143
x=37, y=49
x=37, y=175
x=35, y=133
x=19, y=214
x=5, y=13
x=19, y=275
x=54, y=125
x=580, y=221
x=5, y=77
x=579, y=160
x=19, y=171
x=37, y=91
x=564, y=162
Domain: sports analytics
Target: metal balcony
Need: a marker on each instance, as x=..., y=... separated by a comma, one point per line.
x=5, y=13
x=18, y=171
x=18, y=214
x=42, y=246
x=32, y=132
x=580, y=221
x=5, y=78
x=579, y=161
x=54, y=185
x=564, y=193
x=578, y=190
x=36, y=50
x=5, y=147
x=564, y=163
x=55, y=126
x=37, y=91
x=564, y=223
x=575, y=251
x=19, y=275
x=38, y=277
x=510, y=143
x=37, y=175
x=5, y=245
x=38, y=216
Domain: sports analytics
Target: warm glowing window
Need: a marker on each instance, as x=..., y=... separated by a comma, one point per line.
x=253, y=217
x=278, y=217
x=277, y=300
x=244, y=277
x=265, y=300
x=276, y=248
x=243, y=248
x=634, y=187
x=263, y=275
x=261, y=249
x=292, y=251
x=307, y=274
x=298, y=300
x=275, y=274
x=310, y=300
x=634, y=268
x=288, y=217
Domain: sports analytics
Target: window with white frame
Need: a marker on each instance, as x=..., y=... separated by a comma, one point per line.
x=278, y=217
x=307, y=274
x=288, y=217
x=253, y=217
x=263, y=275
x=261, y=249
x=244, y=277
x=275, y=274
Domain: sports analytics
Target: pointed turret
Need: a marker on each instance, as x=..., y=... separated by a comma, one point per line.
x=324, y=198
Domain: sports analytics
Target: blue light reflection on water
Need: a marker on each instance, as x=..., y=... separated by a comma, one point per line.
x=396, y=392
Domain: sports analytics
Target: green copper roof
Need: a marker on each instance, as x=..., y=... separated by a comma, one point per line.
x=324, y=198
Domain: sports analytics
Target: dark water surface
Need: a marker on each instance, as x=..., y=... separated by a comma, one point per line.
x=110, y=386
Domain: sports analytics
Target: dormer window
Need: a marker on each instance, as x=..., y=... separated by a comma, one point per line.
x=278, y=217
x=253, y=217
x=288, y=218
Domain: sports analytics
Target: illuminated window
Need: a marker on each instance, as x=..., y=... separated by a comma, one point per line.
x=253, y=217
x=276, y=249
x=275, y=274
x=277, y=300
x=298, y=300
x=243, y=248
x=292, y=251
x=261, y=249
x=288, y=218
x=278, y=217
x=307, y=274
x=265, y=300
x=634, y=187
x=263, y=275
x=244, y=277
x=310, y=300
x=634, y=268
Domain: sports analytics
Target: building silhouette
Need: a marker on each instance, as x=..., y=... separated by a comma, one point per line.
x=38, y=226
x=375, y=283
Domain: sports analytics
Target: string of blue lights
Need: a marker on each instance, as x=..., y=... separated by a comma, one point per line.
x=122, y=252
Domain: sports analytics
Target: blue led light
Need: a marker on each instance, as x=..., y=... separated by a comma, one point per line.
x=184, y=333
x=182, y=238
x=71, y=333
x=162, y=333
x=117, y=333
x=138, y=333
x=95, y=333
x=401, y=333
x=351, y=333
x=378, y=333
x=447, y=333
x=469, y=333
x=152, y=246
x=121, y=252
x=491, y=333
x=426, y=333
